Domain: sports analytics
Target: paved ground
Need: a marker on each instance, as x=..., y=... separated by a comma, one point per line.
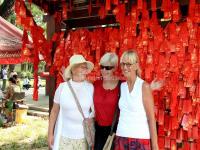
x=43, y=101
x=36, y=108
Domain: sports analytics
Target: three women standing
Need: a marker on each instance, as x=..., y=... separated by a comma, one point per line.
x=136, y=122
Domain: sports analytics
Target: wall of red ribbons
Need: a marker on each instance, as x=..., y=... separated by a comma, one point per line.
x=170, y=53
x=164, y=54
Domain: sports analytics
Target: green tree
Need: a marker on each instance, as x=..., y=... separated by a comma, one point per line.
x=37, y=15
x=6, y=8
x=11, y=16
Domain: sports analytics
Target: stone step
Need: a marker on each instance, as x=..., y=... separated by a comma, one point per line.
x=42, y=109
x=37, y=113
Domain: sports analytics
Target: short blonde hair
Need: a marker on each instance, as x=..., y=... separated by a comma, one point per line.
x=133, y=58
x=109, y=58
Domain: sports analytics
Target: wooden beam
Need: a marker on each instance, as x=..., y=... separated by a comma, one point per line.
x=89, y=21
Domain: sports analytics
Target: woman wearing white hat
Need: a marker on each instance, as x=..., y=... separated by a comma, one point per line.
x=65, y=116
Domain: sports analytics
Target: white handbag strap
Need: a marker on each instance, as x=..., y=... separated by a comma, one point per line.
x=76, y=99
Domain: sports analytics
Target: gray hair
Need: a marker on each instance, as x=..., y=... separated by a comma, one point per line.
x=109, y=58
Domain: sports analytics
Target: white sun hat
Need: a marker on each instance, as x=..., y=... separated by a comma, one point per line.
x=74, y=60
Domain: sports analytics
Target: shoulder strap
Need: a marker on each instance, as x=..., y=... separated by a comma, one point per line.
x=116, y=111
x=114, y=121
x=76, y=99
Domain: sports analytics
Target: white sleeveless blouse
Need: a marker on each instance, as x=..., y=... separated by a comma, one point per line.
x=133, y=120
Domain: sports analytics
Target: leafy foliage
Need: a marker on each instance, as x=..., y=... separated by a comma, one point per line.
x=36, y=12
x=6, y=7
x=37, y=15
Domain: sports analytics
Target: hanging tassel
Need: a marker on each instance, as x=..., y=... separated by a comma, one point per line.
x=187, y=106
x=161, y=142
x=25, y=51
x=175, y=12
x=173, y=145
x=154, y=18
x=17, y=7
x=195, y=133
x=192, y=8
x=115, y=2
x=22, y=11
x=35, y=66
x=153, y=5
x=161, y=115
x=197, y=14
x=166, y=6
x=139, y=4
x=108, y=5
x=180, y=135
x=167, y=142
x=102, y=12
x=193, y=146
x=64, y=10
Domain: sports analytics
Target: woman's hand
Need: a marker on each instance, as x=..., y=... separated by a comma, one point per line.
x=52, y=120
x=156, y=85
x=50, y=140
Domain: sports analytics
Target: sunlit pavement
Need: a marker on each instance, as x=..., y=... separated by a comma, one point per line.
x=43, y=100
x=30, y=91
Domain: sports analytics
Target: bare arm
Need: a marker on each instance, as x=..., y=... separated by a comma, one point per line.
x=52, y=121
x=149, y=107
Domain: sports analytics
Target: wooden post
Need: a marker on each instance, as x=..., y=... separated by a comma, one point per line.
x=50, y=81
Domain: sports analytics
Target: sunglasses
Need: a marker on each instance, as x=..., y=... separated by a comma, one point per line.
x=106, y=67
